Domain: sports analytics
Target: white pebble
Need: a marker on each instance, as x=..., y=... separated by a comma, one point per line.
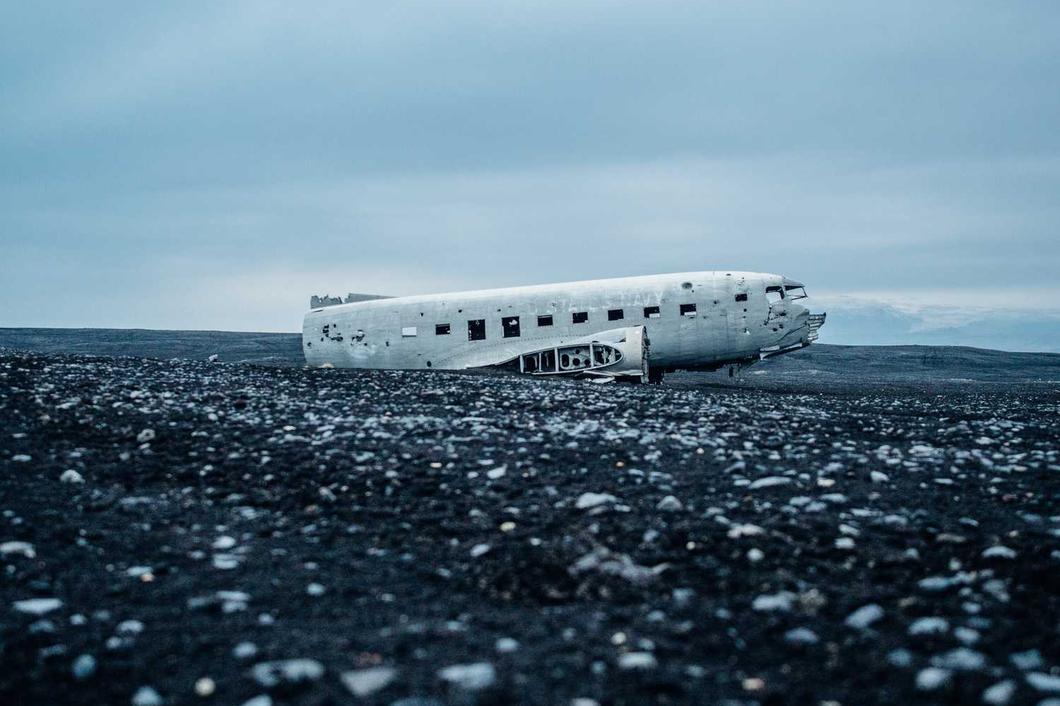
x=999, y=694
x=130, y=627
x=22, y=548
x=590, y=500
x=146, y=696
x=864, y=616
x=769, y=482
x=637, y=661
x=960, y=659
x=224, y=542
x=670, y=504
x=244, y=650
x=38, y=606
x=801, y=636
x=929, y=626
x=83, y=667
x=999, y=552
x=932, y=678
x=781, y=601
x=505, y=645
x=365, y=682
x=205, y=686
x=1042, y=681
x=469, y=677
x=287, y=671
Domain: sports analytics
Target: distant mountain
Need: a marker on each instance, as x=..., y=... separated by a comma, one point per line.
x=859, y=321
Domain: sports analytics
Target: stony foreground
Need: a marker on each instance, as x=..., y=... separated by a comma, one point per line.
x=182, y=532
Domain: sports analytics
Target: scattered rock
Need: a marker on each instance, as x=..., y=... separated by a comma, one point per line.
x=469, y=677
x=260, y=700
x=506, y=645
x=18, y=548
x=999, y=552
x=365, y=682
x=781, y=601
x=38, y=606
x=205, y=686
x=71, y=476
x=146, y=696
x=932, y=678
x=960, y=659
x=999, y=694
x=864, y=616
x=669, y=504
x=586, y=501
x=637, y=661
x=769, y=482
x=801, y=636
x=1047, y=683
x=245, y=650
x=83, y=667
x=604, y=561
x=1027, y=661
x=287, y=671
x=929, y=626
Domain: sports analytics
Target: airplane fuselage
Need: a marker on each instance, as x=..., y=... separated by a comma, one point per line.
x=693, y=320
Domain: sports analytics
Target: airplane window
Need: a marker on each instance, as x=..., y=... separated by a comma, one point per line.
x=741, y=297
x=476, y=330
x=544, y=320
x=774, y=294
x=510, y=324
x=796, y=292
x=441, y=329
x=408, y=331
x=615, y=314
x=651, y=312
x=688, y=310
x=579, y=317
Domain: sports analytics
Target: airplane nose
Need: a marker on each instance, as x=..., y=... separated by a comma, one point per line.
x=802, y=327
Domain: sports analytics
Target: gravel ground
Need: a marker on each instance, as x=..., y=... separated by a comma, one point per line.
x=188, y=532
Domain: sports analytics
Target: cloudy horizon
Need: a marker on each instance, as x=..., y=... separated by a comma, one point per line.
x=211, y=166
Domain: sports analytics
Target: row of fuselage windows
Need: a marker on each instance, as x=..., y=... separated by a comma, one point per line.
x=512, y=327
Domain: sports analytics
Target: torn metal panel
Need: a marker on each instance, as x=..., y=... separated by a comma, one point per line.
x=318, y=302
x=618, y=353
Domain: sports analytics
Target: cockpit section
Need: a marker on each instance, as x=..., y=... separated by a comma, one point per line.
x=793, y=290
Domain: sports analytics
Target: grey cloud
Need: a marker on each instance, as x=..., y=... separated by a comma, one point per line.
x=153, y=159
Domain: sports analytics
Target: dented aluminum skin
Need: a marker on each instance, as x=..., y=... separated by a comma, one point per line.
x=704, y=321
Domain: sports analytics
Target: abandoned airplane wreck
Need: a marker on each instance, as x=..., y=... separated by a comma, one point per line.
x=629, y=328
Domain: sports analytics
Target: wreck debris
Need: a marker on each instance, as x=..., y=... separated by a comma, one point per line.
x=693, y=321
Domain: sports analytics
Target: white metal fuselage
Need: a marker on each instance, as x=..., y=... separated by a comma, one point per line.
x=703, y=320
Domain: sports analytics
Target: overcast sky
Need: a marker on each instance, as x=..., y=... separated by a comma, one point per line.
x=211, y=165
